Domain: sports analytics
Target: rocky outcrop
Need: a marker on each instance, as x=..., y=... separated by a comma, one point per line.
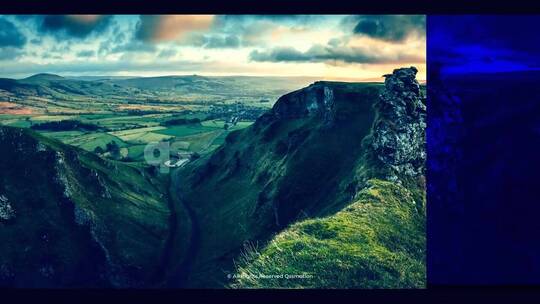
x=315, y=100
x=399, y=132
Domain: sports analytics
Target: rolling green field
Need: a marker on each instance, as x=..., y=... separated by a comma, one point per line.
x=133, y=132
x=136, y=111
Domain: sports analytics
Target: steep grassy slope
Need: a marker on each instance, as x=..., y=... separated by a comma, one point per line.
x=309, y=157
x=376, y=242
x=296, y=161
x=76, y=220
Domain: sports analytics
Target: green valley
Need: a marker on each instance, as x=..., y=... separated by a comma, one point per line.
x=321, y=186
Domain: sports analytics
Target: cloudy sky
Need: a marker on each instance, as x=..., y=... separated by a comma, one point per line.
x=330, y=47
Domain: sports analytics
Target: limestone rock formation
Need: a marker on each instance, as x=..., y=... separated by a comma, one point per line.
x=399, y=132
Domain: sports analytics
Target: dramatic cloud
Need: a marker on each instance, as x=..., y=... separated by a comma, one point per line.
x=390, y=27
x=321, y=53
x=75, y=26
x=170, y=27
x=10, y=36
x=11, y=40
x=323, y=46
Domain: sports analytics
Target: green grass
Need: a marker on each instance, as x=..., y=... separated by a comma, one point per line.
x=22, y=121
x=63, y=136
x=376, y=242
x=47, y=118
x=92, y=140
x=141, y=135
x=200, y=142
x=136, y=152
x=217, y=123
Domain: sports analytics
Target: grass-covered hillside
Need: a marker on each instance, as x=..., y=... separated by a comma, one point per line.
x=308, y=158
x=296, y=161
x=69, y=218
x=376, y=242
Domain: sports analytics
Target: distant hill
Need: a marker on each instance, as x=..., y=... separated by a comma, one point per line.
x=57, y=87
x=41, y=78
x=94, y=78
x=169, y=88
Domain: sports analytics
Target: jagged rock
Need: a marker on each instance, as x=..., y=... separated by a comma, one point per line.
x=399, y=133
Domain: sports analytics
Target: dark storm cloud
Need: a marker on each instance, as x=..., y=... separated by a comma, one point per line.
x=394, y=28
x=78, y=26
x=10, y=36
x=321, y=53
